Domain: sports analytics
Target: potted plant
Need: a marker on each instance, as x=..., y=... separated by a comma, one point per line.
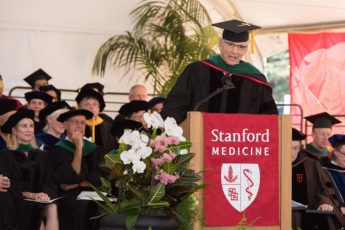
x=150, y=171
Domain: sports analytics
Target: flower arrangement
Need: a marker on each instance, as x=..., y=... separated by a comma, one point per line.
x=151, y=171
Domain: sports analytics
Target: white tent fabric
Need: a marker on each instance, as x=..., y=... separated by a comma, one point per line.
x=62, y=37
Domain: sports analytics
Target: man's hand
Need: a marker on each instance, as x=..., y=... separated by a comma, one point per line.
x=325, y=207
x=77, y=139
x=4, y=183
x=68, y=186
x=85, y=183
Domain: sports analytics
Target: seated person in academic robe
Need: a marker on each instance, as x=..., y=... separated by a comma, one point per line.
x=75, y=167
x=320, y=147
x=98, y=87
x=52, y=91
x=308, y=187
x=133, y=111
x=7, y=191
x=156, y=104
x=336, y=168
x=247, y=89
x=34, y=179
x=53, y=131
x=37, y=79
x=37, y=101
x=96, y=128
x=7, y=108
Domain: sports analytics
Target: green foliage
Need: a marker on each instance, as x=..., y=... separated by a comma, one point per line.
x=278, y=74
x=145, y=192
x=167, y=36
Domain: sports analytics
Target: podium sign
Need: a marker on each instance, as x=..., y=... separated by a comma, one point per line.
x=241, y=166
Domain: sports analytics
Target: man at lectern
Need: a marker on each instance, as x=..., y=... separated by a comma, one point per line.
x=223, y=83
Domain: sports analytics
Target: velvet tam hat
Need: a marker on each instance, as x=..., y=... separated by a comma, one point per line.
x=16, y=117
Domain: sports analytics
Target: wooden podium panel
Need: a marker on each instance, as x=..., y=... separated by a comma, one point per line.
x=193, y=130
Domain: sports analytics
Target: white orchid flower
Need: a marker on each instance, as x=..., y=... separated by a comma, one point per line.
x=172, y=129
x=144, y=139
x=139, y=167
x=154, y=120
x=144, y=152
x=126, y=137
x=129, y=157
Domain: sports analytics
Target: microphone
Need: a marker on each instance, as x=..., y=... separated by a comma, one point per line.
x=226, y=80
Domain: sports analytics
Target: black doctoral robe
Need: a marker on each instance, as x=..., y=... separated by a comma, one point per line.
x=252, y=94
x=7, y=211
x=75, y=214
x=104, y=138
x=29, y=173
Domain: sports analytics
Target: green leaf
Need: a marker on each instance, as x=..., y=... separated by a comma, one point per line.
x=157, y=193
x=137, y=192
x=109, y=206
x=105, y=185
x=183, y=159
x=131, y=220
x=169, y=167
x=110, y=159
x=159, y=204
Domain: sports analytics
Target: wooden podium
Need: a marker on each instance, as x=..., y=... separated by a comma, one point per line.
x=193, y=130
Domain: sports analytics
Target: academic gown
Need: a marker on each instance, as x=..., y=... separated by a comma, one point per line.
x=251, y=95
x=47, y=140
x=309, y=188
x=311, y=152
x=104, y=139
x=337, y=176
x=34, y=175
x=3, y=144
x=7, y=211
x=74, y=214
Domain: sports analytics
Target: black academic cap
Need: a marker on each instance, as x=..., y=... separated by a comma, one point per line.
x=76, y=112
x=37, y=75
x=235, y=30
x=119, y=127
x=337, y=140
x=94, y=85
x=16, y=117
x=322, y=120
x=51, y=108
x=134, y=106
x=156, y=100
x=7, y=105
x=46, y=88
x=297, y=135
x=38, y=95
x=91, y=93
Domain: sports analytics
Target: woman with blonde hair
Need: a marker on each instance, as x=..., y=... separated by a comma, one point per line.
x=53, y=131
x=33, y=181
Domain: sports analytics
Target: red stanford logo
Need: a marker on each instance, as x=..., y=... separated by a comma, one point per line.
x=240, y=183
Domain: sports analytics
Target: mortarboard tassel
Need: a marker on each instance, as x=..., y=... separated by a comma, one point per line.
x=252, y=42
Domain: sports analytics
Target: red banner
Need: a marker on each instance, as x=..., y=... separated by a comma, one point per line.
x=241, y=166
x=317, y=73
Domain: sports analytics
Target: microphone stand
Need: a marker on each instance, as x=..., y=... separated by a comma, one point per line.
x=227, y=85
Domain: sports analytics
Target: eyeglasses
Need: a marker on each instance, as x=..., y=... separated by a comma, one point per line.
x=76, y=122
x=233, y=45
x=342, y=153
